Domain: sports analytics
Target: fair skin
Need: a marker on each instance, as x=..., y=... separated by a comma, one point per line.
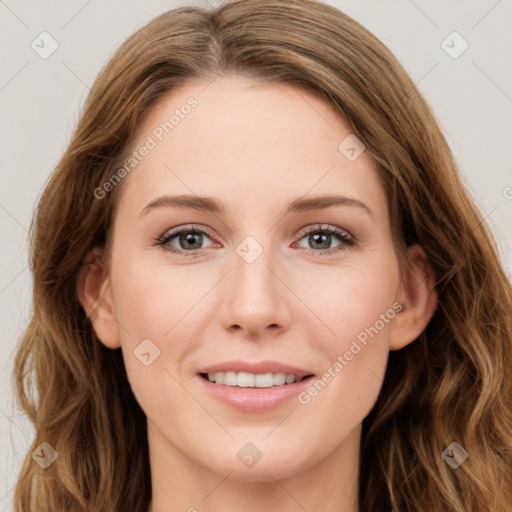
x=255, y=148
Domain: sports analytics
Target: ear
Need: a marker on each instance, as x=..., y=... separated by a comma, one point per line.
x=418, y=298
x=94, y=293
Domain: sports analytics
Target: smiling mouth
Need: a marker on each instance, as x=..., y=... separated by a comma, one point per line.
x=253, y=380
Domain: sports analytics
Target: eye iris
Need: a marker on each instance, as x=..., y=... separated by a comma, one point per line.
x=190, y=237
x=321, y=238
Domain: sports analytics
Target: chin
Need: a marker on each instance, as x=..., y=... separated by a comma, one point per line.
x=275, y=466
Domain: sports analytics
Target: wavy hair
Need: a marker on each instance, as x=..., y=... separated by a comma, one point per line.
x=453, y=383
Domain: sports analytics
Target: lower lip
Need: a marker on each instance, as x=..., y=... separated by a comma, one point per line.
x=255, y=399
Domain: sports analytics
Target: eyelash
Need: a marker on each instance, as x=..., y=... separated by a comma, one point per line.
x=340, y=234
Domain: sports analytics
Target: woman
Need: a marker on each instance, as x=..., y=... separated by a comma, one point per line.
x=256, y=369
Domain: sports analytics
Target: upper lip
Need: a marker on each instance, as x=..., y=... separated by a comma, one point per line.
x=259, y=367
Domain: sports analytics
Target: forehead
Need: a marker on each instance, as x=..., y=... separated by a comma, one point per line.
x=250, y=144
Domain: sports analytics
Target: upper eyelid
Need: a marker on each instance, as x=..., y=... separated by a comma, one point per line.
x=175, y=231
x=329, y=227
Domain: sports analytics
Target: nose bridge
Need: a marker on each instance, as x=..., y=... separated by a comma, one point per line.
x=253, y=281
x=254, y=296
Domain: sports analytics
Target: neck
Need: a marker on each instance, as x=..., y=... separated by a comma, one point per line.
x=179, y=483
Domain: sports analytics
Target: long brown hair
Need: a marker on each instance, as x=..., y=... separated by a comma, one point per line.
x=453, y=384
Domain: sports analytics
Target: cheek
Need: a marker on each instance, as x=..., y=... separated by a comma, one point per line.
x=358, y=306
x=152, y=299
x=354, y=299
x=153, y=306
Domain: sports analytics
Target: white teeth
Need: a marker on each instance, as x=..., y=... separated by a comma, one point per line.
x=230, y=379
x=264, y=380
x=245, y=380
x=280, y=379
x=251, y=380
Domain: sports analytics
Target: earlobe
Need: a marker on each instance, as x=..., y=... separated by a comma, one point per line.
x=418, y=297
x=94, y=293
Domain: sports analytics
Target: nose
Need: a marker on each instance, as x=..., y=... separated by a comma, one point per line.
x=257, y=301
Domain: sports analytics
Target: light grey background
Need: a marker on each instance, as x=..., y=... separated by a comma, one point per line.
x=40, y=100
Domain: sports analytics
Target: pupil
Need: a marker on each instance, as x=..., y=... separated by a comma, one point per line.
x=326, y=240
x=190, y=238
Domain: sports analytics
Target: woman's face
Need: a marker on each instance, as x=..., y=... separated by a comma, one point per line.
x=286, y=266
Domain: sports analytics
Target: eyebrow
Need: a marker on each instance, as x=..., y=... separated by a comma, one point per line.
x=212, y=205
